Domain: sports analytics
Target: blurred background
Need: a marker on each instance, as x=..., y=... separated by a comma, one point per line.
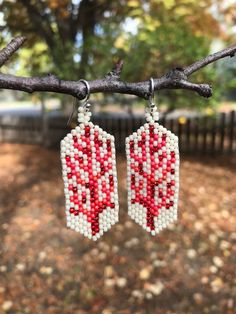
x=188, y=268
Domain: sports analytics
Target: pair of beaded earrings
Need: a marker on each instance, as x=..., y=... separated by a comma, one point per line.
x=90, y=177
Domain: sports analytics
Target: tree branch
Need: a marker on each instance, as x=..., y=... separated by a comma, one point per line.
x=174, y=79
x=8, y=51
x=228, y=52
x=38, y=21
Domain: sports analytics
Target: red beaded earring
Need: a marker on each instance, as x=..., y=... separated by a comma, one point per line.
x=152, y=173
x=89, y=175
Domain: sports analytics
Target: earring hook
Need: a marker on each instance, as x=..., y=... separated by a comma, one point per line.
x=85, y=100
x=87, y=90
x=152, y=90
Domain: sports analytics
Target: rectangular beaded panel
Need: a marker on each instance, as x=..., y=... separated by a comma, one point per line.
x=90, y=180
x=152, y=176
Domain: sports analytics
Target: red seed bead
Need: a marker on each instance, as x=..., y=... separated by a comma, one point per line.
x=68, y=163
x=151, y=128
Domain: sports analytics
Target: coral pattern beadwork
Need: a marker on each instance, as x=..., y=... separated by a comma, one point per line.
x=152, y=176
x=90, y=179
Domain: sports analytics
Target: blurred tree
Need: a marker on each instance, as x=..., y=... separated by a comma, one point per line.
x=58, y=23
x=83, y=36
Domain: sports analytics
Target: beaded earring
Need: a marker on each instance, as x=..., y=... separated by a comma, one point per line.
x=89, y=175
x=152, y=172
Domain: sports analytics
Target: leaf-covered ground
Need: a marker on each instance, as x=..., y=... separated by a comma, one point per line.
x=45, y=268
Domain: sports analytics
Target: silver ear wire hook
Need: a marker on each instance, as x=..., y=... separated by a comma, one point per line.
x=151, y=97
x=85, y=100
x=75, y=103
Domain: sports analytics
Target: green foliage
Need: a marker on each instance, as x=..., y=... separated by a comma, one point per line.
x=34, y=60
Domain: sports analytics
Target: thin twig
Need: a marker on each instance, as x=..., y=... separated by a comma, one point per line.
x=12, y=47
x=228, y=52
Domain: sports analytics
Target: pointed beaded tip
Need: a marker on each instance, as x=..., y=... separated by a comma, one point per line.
x=152, y=176
x=90, y=179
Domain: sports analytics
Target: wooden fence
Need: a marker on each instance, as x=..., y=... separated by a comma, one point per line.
x=209, y=135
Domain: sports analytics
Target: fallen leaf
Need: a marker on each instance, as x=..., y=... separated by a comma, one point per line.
x=218, y=261
x=7, y=305
x=145, y=273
